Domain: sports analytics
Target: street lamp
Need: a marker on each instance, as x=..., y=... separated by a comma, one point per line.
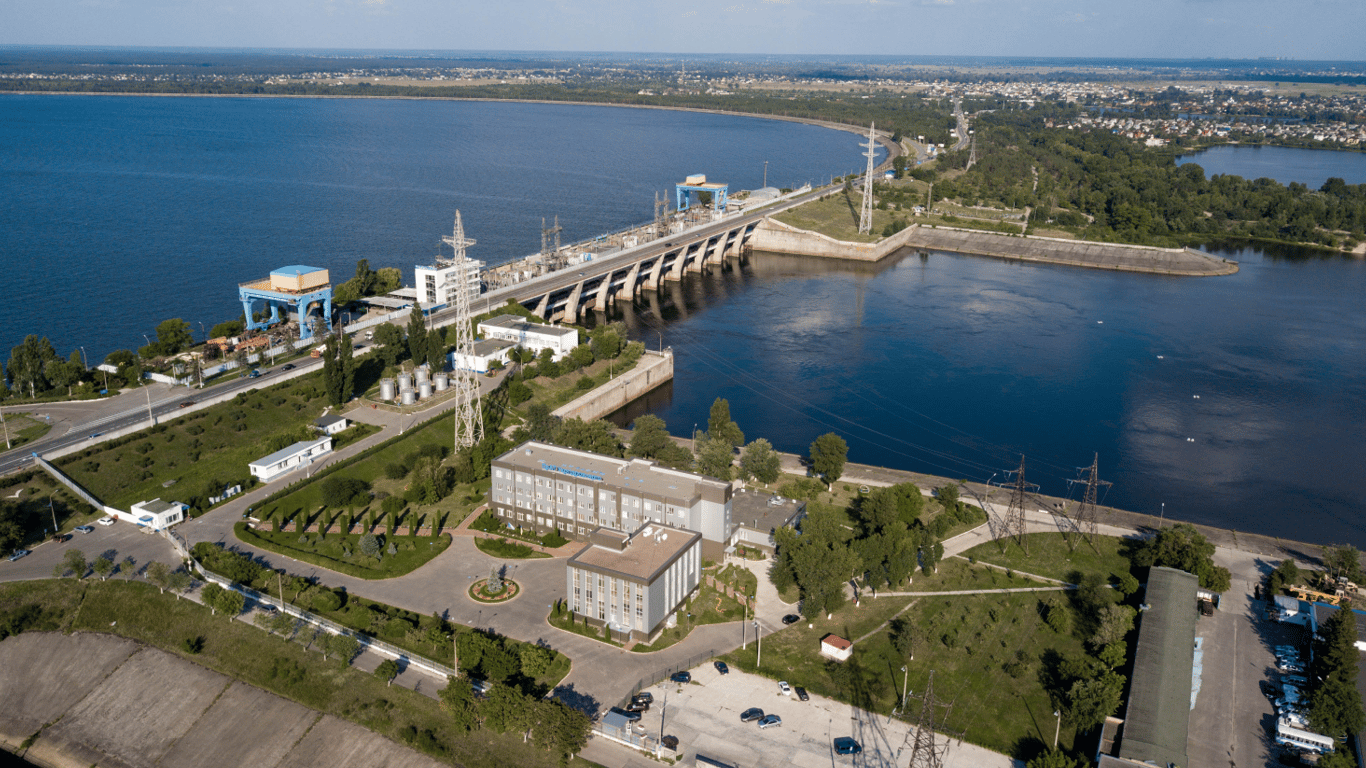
x=85, y=361
x=759, y=641
x=1056, y=730
x=905, y=677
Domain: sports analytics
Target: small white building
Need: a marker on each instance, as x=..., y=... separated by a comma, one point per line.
x=533, y=336
x=484, y=354
x=288, y=459
x=436, y=284
x=836, y=647
x=331, y=424
x=157, y=514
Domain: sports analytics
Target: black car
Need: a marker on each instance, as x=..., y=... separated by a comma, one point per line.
x=751, y=714
x=801, y=694
x=638, y=706
x=721, y=667
x=681, y=677
x=847, y=746
x=644, y=697
x=670, y=742
x=630, y=716
x=287, y=367
x=791, y=618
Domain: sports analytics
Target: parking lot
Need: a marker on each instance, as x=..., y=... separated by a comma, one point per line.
x=705, y=716
x=117, y=541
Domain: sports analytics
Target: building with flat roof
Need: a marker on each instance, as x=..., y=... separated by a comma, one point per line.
x=533, y=336
x=634, y=583
x=1157, y=719
x=289, y=459
x=436, y=284
x=331, y=424
x=482, y=355
x=757, y=515
x=545, y=487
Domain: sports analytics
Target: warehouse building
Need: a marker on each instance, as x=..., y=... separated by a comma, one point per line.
x=634, y=583
x=544, y=487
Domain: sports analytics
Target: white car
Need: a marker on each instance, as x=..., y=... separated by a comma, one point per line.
x=784, y=688
x=105, y=521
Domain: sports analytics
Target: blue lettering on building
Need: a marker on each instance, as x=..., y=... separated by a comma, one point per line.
x=594, y=476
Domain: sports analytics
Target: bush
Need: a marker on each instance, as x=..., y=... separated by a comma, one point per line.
x=344, y=491
x=395, y=471
x=392, y=505
x=584, y=384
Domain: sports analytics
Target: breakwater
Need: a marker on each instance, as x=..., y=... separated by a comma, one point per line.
x=653, y=370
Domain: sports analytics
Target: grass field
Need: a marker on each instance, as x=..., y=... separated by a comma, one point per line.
x=329, y=551
x=508, y=550
x=211, y=447
x=288, y=667
x=22, y=428
x=837, y=216
x=1050, y=555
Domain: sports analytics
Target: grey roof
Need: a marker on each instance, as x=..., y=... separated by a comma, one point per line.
x=1157, y=721
x=284, y=453
x=157, y=506
x=616, y=720
x=491, y=346
x=329, y=420
x=646, y=553
x=631, y=476
x=522, y=325
x=752, y=510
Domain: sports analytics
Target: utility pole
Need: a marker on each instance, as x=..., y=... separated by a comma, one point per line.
x=765, y=173
x=865, y=221
x=1015, y=514
x=759, y=641
x=148, y=390
x=53, y=510
x=469, y=414
x=5, y=424
x=1086, y=514
x=925, y=753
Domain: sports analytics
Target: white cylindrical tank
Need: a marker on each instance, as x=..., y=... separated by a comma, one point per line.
x=422, y=374
x=442, y=381
x=407, y=397
x=424, y=389
x=386, y=389
x=405, y=381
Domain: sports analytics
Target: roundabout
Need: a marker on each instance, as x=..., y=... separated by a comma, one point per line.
x=479, y=592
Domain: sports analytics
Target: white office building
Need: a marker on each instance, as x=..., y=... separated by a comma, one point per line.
x=436, y=284
x=300, y=454
x=533, y=336
x=545, y=487
x=157, y=514
x=634, y=583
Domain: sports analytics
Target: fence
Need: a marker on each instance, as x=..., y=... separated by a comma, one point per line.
x=664, y=674
x=366, y=642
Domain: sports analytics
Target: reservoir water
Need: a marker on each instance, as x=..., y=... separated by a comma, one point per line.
x=1310, y=167
x=1238, y=401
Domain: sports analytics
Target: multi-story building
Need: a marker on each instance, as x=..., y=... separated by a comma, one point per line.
x=533, y=336
x=634, y=583
x=544, y=487
x=437, y=283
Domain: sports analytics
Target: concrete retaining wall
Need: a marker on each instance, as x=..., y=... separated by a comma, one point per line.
x=777, y=237
x=653, y=370
x=1076, y=253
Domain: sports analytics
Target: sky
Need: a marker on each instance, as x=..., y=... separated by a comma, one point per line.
x=1299, y=29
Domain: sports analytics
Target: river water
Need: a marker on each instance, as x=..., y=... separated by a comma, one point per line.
x=1238, y=401
x=1310, y=167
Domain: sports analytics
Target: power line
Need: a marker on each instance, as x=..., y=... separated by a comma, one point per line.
x=469, y=415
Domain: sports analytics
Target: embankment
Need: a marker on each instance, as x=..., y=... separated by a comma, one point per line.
x=776, y=237
x=653, y=370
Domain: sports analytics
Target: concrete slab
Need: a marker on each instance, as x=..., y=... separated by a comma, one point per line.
x=334, y=743
x=275, y=726
x=58, y=671
x=137, y=713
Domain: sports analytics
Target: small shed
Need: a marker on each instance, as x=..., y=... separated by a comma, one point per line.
x=331, y=424
x=157, y=514
x=836, y=647
x=298, y=455
x=1287, y=608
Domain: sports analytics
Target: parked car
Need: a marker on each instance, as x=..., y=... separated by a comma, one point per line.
x=638, y=706
x=267, y=608
x=644, y=697
x=751, y=714
x=721, y=667
x=630, y=716
x=784, y=689
x=18, y=553
x=94, y=435
x=670, y=742
x=847, y=746
x=105, y=521
x=85, y=528
x=681, y=677
x=801, y=694
x=768, y=721
x=791, y=618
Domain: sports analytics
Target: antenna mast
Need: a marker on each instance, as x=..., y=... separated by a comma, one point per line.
x=865, y=219
x=469, y=415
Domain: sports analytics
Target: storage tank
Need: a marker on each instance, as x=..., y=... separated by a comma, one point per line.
x=386, y=389
x=405, y=381
x=442, y=381
x=407, y=397
x=422, y=374
x=424, y=389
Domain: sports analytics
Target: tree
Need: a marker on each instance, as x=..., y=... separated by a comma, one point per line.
x=649, y=436
x=75, y=562
x=173, y=336
x=1334, y=704
x=387, y=671
x=595, y=436
x=340, y=492
x=1343, y=561
x=389, y=338
x=1113, y=623
x=819, y=560
x=760, y=461
x=159, y=574
x=1054, y=758
x=715, y=457
x=228, y=328
x=828, y=454
x=541, y=424
x=370, y=544
x=346, y=366
x=178, y=581
x=66, y=373
x=1089, y=702
x=343, y=646
x=457, y=698
x=720, y=426
x=536, y=659
x=436, y=349
x=417, y=336
x=366, y=278
x=211, y=595
x=1185, y=548
x=903, y=637
x=28, y=363
x=606, y=344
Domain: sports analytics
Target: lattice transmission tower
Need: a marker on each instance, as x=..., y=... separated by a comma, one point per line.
x=927, y=751
x=469, y=413
x=1015, y=515
x=551, y=259
x=865, y=219
x=1085, y=519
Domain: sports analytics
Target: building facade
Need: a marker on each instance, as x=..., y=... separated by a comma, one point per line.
x=545, y=487
x=482, y=356
x=436, y=284
x=634, y=583
x=533, y=336
x=288, y=459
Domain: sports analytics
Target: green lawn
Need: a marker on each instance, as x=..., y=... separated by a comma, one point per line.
x=1050, y=555
x=563, y=619
x=507, y=550
x=708, y=607
x=200, y=452
x=837, y=216
x=743, y=579
x=967, y=641
x=288, y=668
x=565, y=388
x=38, y=499
x=330, y=551
x=22, y=428
x=956, y=574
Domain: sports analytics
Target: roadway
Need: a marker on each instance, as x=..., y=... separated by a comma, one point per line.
x=962, y=125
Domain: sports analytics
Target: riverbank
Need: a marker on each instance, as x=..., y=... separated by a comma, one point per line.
x=777, y=237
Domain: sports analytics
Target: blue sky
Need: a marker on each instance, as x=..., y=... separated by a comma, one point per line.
x=1301, y=29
